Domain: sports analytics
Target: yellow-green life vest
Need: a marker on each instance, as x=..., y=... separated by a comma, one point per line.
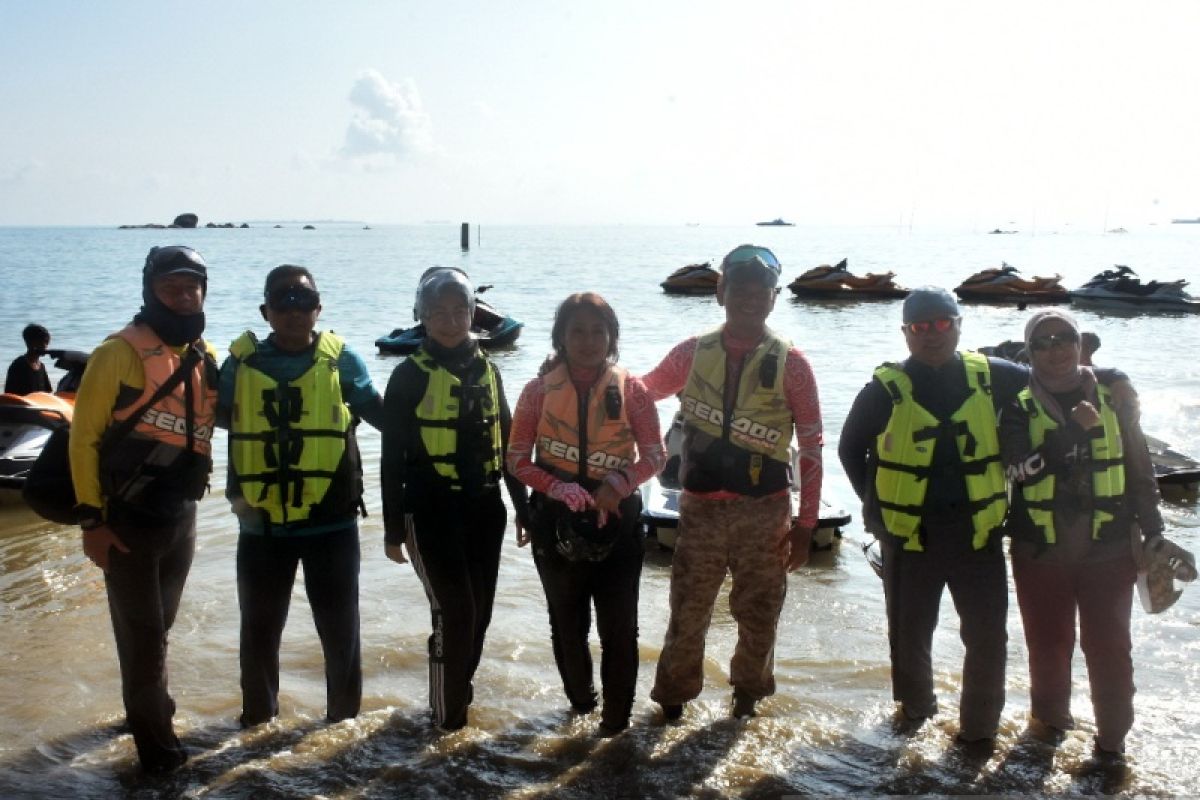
x=287, y=440
x=460, y=424
x=905, y=452
x=1107, y=464
x=742, y=448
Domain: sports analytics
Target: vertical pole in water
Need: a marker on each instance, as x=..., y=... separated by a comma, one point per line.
x=465, y=236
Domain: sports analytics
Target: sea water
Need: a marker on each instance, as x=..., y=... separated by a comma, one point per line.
x=828, y=730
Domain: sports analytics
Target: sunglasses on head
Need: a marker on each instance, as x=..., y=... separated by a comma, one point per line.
x=1040, y=343
x=298, y=298
x=941, y=325
x=749, y=252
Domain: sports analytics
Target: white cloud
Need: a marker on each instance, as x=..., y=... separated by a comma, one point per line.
x=390, y=122
x=16, y=173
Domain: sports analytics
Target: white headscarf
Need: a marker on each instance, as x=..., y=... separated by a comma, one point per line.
x=1042, y=389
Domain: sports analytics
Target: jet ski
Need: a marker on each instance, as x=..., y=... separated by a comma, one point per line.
x=492, y=329
x=26, y=422
x=660, y=500
x=1006, y=285
x=1178, y=474
x=1120, y=287
x=837, y=282
x=693, y=279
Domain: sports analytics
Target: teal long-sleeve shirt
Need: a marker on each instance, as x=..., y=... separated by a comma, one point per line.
x=357, y=391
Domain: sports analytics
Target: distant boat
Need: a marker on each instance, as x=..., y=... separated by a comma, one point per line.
x=1195, y=221
x=777, y=223
x=997, y=230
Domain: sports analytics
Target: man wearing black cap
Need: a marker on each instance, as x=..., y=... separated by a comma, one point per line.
x=141, y=442
x=920, y=447
x=744, y=389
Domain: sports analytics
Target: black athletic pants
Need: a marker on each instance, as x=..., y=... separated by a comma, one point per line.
x=455, y=550
x=572, y=587
x=266, y=570
x=144, y=589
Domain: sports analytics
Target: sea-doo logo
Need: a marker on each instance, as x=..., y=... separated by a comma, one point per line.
x=570, y=453
x=742, y=429
x=175, y=424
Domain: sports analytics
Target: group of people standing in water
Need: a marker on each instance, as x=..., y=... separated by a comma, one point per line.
x=922, y=447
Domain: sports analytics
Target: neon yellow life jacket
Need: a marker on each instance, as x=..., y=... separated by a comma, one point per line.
x=288, y=442
x=607, y=439
x=460, y=425
x=905, y=453
x=743, y=448
x=1107, y=464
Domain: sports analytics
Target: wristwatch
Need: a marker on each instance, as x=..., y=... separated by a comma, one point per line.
x=89, y=517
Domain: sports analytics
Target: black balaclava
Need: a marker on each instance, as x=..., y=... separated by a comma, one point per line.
x=174, y=329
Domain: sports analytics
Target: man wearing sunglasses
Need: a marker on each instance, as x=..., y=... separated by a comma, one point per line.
x=743, y=391
x=291, y=403
x=921, y=449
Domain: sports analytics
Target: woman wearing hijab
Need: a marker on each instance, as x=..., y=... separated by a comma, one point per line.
x=1085, y=506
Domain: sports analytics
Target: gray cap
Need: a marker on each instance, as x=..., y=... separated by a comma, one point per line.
x=929, y=302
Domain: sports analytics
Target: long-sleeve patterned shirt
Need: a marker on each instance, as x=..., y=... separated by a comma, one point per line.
x=800, y=389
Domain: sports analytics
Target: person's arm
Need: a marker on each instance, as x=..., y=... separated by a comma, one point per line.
x=357, y=389
x=113, y=374
x=651, y=452
x=399, y=430
x=1141, y=485
x=868, y=417
x=670, y=376
x=800, y=386
x=523, y=437
x=517, y=492
x=226, y=385
x=1007, y=380
x=112, y=368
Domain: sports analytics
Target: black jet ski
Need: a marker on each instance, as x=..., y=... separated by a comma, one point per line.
x=1120, y=287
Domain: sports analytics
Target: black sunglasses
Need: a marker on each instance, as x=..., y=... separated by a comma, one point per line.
x=297, y=298
x=1040, y=343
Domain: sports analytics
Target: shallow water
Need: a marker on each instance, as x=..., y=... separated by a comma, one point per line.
x=828, y=730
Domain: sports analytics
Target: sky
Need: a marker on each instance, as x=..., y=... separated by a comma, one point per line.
x=921, y=113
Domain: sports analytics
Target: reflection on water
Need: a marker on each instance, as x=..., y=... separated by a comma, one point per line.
x=829, y=730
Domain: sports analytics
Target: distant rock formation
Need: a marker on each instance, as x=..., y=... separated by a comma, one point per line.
x=310, y=227
x=187, y=220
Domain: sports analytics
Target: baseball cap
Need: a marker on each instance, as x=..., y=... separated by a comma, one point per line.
x=929, y=302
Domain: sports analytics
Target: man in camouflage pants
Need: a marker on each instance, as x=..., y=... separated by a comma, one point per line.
x=744, y=389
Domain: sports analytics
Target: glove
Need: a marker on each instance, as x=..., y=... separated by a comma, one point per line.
x=573, y=495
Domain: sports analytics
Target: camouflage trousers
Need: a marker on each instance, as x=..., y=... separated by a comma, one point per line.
x=716, y=537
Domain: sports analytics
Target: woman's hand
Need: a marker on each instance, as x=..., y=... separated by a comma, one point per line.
x=573, y=495
x=522, y=534
x=607, y=500
x=1086, y=415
